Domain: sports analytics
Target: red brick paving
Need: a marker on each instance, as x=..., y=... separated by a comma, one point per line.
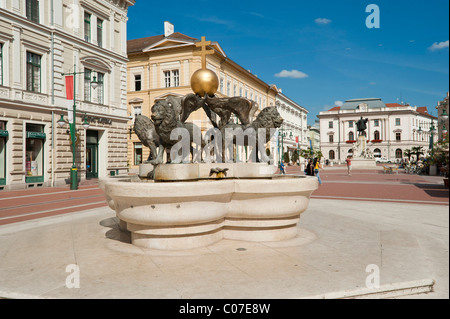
x=363, y=185
x=21, y=205
x=376, y=185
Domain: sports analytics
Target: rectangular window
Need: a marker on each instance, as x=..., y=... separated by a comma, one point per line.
x=397, y=121
x=330, y=124
x=3, y=136
x=221, y=86
x=350, y=124
x=167, y=79
x=331, y=138
x=228, y=88
x=100, y=32
x=1, y=64
x=398, y=137
x=137, y=153
x=376, y=123
x=35, y=153
x=87, y=85
x=32, y=10
x=87, y=27
x=100, y=88
x=137, y=82
x=235, y=90
x=176, y=78
x=33, y=72
x=172, y=78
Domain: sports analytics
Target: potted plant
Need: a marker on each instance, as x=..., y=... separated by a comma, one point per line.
x=439, y=157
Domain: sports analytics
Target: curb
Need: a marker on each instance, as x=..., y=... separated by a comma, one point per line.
x=383, y=292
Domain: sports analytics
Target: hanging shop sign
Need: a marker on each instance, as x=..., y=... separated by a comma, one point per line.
x=38, y=135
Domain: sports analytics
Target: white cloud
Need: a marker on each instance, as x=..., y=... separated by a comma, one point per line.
x=338, y=103
x=294, y=74
x=438, y=46
x=322, y=21
x=372, y=83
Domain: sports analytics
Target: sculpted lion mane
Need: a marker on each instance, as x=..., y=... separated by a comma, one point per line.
x=166, y=120
x=146, y=132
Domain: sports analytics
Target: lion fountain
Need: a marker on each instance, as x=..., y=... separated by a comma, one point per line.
x=199, y=192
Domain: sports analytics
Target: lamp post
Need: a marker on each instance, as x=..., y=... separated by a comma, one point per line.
x=444, y=118
x=72, y=128
x=283, y=135
x=432, y=132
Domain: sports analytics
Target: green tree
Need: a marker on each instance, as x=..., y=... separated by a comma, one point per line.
x=305, y=153
x=439, y=155
x=295, y=156
x=286, y=157
x=417, y=150
x=408, y=153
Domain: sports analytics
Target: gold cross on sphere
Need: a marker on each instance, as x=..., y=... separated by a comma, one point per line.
x=203, y=52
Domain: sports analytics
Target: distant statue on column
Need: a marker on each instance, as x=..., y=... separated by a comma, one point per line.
x=361, y=125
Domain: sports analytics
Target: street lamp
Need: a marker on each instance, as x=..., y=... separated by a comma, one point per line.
x=444, y=115
x=432, y=132
x=283, y=135
x=444, y=118
x=72, y=123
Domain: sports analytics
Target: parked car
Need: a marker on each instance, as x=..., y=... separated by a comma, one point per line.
x=382, y=160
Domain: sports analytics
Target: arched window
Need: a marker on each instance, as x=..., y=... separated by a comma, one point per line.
x=376, y=135
x=377, y=152
x=351, y=136
x=331, y=155
x=398, y=153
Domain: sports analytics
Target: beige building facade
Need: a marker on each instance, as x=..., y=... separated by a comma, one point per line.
x=162, y=65
x=40, y=42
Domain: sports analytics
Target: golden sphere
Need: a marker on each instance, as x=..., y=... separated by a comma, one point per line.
x=204, y=82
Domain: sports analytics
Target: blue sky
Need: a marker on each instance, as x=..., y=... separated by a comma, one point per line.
x=320, y=53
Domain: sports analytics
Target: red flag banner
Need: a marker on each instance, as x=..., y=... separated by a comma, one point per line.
x=69, y=87
x=296, y=139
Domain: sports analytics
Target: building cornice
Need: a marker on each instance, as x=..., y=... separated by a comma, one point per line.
x=46, y=31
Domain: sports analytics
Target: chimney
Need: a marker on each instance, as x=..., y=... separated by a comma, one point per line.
x=168, y=28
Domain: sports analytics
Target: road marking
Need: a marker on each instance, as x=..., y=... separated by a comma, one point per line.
x=380, y=200
x=44, y=194
x=54, y=210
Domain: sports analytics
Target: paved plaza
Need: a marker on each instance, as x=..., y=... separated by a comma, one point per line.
x=394, y=226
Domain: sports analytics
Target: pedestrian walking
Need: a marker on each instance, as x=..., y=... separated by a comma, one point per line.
x=349, y=165
x=282, y=168
x=317, y=166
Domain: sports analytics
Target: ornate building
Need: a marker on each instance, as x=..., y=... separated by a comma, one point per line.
x=295, y=125
x=40, y=40
x=162, y=66
x=442, y=109
x=391, y=128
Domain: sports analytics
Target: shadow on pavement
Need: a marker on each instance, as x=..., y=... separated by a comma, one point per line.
x=434, y=190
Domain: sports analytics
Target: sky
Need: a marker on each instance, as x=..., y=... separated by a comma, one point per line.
x=321, y=53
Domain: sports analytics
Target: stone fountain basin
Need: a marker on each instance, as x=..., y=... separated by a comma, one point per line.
x=186, y=215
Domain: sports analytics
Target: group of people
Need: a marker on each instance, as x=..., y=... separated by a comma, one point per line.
x=312, y=168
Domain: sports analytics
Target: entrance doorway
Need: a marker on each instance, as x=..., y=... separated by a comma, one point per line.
x=91, y=154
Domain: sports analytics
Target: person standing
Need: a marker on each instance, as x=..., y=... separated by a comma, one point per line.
x=349, y=165
x=309, y=168
x=282, y=168
x=317, y=166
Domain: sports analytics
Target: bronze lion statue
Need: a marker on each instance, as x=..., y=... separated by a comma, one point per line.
x=166, y=121
x=269, y=119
